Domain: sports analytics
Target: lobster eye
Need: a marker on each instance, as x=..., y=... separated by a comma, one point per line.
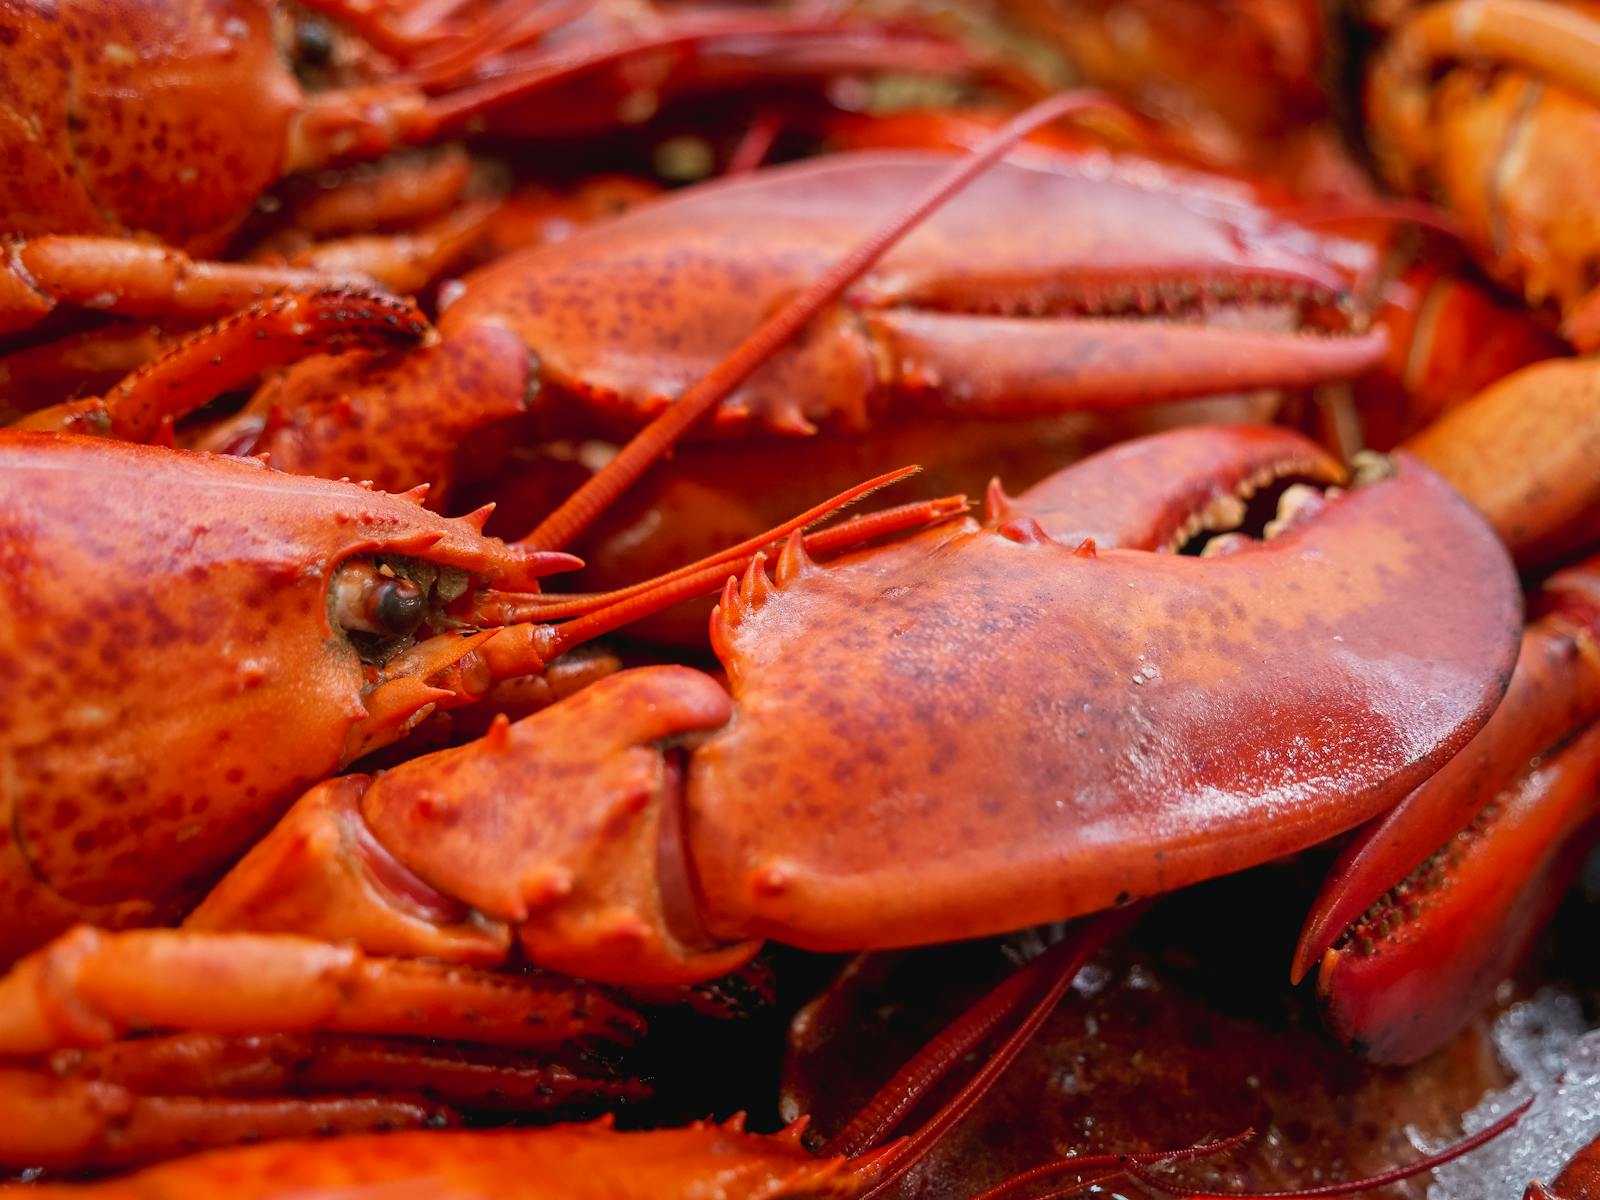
x=364, y=599
x=398, y=606
x=313, y=43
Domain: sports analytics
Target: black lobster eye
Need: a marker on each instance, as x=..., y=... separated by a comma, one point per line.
x=364, y=598
x=313, y=43
x=398, y=606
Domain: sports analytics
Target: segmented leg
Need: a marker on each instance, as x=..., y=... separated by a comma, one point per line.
x=78, y=364
x=327, y=1064
x=134, y=279
x=89, y=987
x=402, y=262
x=233, y=352
x=80, y=1125
x=585, y=1162
x=393, y=193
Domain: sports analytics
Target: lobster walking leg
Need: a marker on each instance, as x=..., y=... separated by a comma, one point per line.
x=475, y=1077
x=153, y=1098
x=585, y=1162
x=402, y=262
x=88, y=987
x=91, y=361
x=78, y=1125
x=135, y=279
x=236, y=350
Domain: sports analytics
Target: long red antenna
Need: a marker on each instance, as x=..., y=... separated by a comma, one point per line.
x=1047, y=979
x=1349, y=1187
x=580, y=509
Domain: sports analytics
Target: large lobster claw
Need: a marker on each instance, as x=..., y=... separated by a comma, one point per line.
x=983, y=727
x=1030, y=324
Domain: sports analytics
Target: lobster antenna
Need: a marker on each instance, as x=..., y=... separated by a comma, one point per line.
x=555, y=605
x=541, y=70
x=1394, y=211
x=525, y=641
x=1035, y=991
x=1107, y=1166
x=1349, y=1187
x=580, y=509
x=515, y=608
x=708, y=580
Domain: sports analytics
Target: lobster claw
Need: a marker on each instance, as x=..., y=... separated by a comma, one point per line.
x=1428, y=907
x=1156, y=492
x=1420, y=964
x=1018, y=733
x=1063, y=309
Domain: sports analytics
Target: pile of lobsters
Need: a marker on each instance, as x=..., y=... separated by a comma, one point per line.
x=491, y=612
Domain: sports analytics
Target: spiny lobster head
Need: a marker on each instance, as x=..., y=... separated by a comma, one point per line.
x=195, y=635
x=1024, y=728
x=1023, y=263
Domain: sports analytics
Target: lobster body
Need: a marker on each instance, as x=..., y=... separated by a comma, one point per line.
x=1491, y=106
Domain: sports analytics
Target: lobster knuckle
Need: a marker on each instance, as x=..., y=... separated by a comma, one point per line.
x=320, y=872
x=562, y=824
x=1158, y=750
x=474, y=383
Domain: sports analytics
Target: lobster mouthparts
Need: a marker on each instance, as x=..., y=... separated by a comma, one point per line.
x=999, y=728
